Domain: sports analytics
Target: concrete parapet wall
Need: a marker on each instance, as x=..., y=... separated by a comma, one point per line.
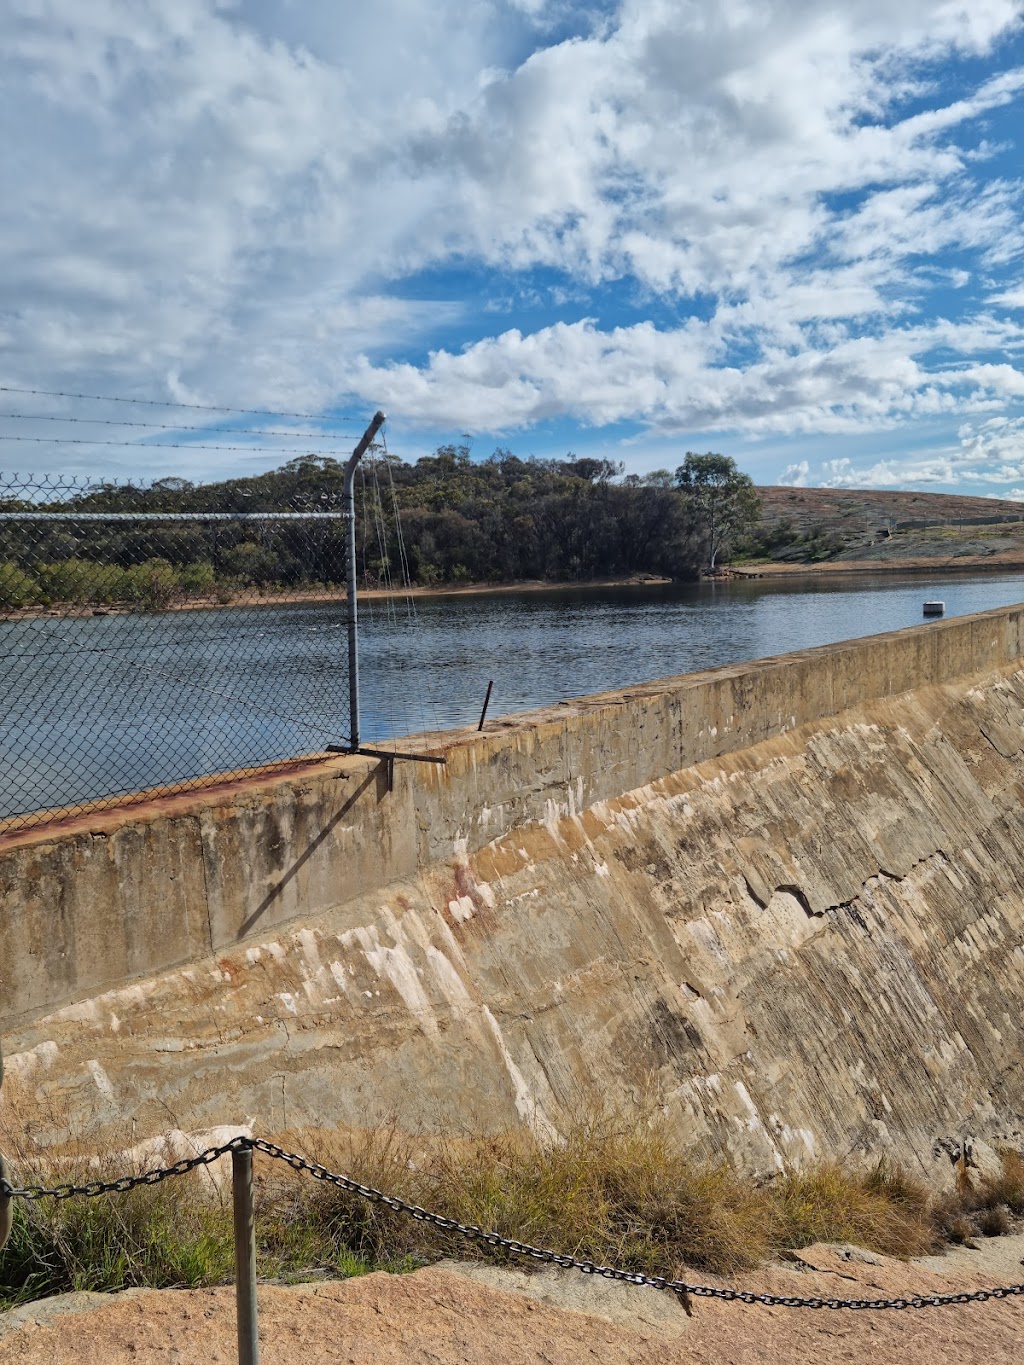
x=93, y=902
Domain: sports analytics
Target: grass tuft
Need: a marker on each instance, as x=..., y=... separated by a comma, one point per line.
x=1008, y=1187
x=882, y=1210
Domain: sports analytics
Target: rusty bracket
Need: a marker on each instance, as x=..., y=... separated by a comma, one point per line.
x=389, y=756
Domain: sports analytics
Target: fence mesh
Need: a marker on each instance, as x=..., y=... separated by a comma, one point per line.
x=137, y=654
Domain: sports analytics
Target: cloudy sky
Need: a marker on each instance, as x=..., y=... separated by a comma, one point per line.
x=790, y=230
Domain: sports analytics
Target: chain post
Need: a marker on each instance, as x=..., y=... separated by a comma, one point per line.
x=5, y=1199
x=6, y=1206
x=245, y=1256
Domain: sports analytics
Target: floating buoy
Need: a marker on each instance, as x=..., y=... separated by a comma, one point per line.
x=934, y=608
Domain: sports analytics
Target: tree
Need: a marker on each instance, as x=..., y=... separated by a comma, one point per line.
x=722, y=501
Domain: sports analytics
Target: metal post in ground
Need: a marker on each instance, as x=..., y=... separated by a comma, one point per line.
x=5, y=1201
x=348, y=502
x=245, y=1256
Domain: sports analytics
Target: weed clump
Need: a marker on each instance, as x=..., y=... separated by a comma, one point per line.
x=883, y=1209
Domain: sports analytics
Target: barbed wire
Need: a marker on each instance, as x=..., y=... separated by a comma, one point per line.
x=170, y=403
x=156, y=445
x=493, y=1241
x=178, y=426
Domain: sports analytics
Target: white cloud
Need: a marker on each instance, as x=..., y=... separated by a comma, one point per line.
x=1009, y=298
x=669, y=379
x=795, y=475
x=990, y=452
x=237, y=199
x=993, y=447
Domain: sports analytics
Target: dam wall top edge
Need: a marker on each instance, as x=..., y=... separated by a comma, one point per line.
x=102, y=898
x=884, y=664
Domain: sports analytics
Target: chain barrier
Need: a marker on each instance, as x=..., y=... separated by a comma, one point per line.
x=125, y=1183
x=491, y=1241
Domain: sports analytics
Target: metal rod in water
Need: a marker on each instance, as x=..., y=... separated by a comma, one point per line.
x=487, y=700
x=245, y=1257
x=348, y=503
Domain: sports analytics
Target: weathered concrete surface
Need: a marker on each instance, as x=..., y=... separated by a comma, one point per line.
x=96, y=900
x=810, y=941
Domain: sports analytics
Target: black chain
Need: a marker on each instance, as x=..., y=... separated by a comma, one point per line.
x=492, y=1240
x=127, y=1182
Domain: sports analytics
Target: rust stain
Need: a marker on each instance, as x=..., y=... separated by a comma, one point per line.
x=102, y=818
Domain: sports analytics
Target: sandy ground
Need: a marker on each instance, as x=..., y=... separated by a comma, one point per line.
x=1004, y=561
x=454, y=1314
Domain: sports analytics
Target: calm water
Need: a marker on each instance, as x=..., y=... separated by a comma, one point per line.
x=100, y=706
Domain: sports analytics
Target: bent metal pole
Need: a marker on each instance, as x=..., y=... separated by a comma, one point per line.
x=349, y=508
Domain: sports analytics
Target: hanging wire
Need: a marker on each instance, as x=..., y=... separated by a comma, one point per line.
x=414, y=702
x=389, y=601
x=431, y=721
x=169, y=403
x=150, y=445
x=177, y=426
x=364, y=503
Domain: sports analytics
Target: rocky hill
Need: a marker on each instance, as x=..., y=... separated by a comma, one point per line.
x=854, y=527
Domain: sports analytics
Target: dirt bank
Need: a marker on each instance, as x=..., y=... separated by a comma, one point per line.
x=454, y=1315
x=1006, y=561
x=315, y=595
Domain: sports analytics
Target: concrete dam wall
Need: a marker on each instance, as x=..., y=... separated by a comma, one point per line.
x=785, y=900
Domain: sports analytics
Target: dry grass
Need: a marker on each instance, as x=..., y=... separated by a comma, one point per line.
x=614, y=1191
x=883, y=1209
x=609, y=1192
x=1008, y=1187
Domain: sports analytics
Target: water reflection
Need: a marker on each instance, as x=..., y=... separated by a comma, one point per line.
x=97, y=707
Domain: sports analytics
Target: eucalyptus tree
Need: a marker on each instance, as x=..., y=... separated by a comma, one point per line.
x=723, y=502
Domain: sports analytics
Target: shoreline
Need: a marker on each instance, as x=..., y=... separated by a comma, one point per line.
x=320, y=595
x=1010, y=561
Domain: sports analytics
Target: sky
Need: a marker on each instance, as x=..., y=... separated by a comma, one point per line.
x=787, y=230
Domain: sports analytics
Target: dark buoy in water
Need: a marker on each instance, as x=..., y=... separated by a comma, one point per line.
x=934, y=608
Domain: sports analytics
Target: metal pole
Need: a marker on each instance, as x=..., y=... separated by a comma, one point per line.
x=245, y=1257
x=487, y=701
x=348, y=503
x=5, y=1202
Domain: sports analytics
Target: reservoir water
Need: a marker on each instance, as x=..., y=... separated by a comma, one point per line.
x=98, y=707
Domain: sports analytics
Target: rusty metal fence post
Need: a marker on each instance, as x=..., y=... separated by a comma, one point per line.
x=245, y=1256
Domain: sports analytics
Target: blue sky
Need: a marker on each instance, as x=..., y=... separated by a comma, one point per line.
x=790, y=230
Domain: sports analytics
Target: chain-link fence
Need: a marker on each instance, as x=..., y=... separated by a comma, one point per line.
x=154, y=635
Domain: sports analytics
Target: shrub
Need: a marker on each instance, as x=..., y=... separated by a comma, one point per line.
x=17, y=589
x=1008, y=1187
x=197, y=579
x=152, y=585
x=66, y=581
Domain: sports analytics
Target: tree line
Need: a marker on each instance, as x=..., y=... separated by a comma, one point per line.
x=444, y=519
